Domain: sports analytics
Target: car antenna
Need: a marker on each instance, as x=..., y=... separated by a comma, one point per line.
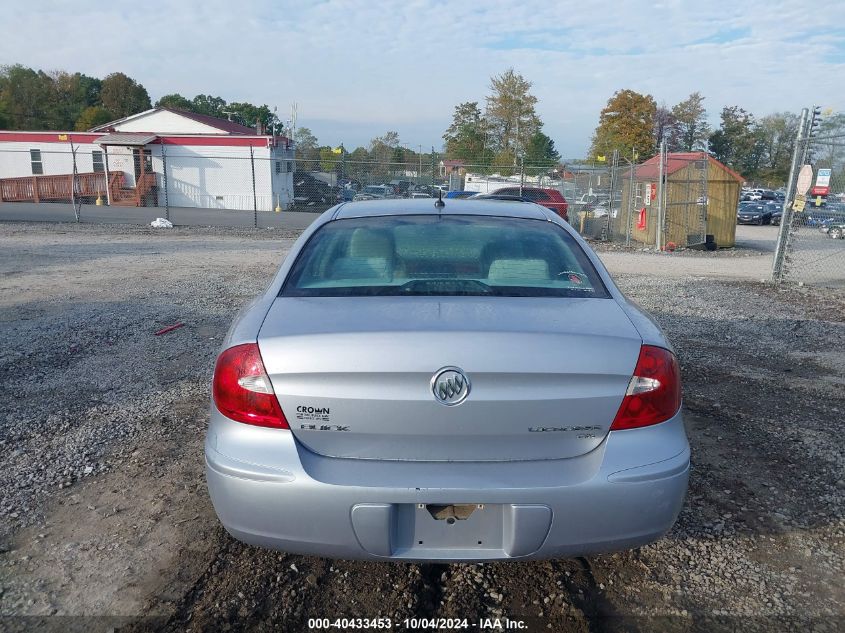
x=439, y=204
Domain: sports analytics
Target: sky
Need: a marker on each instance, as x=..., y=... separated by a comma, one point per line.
x=357, y=69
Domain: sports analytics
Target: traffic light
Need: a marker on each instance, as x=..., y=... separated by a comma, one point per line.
x=815, y=121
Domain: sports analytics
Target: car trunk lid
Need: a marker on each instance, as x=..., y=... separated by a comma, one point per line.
x=354, y=375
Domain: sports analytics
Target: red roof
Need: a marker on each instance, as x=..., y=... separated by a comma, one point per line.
x=675, y=161
x=453, y=162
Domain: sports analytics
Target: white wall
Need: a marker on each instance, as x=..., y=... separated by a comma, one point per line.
x=164, y=122
x=56, y=158
x=221, y=177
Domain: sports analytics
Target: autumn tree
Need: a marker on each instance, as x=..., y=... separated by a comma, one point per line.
x=92, y=117
x=626, y=122
x=122, y=95
x=510, y=116
x=75, y=93
x=690, y=128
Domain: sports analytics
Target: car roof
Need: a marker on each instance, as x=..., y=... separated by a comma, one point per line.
x=452, y=206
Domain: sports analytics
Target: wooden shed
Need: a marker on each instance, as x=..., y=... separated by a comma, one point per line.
x=702, y=196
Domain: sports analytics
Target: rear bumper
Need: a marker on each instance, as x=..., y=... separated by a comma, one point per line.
x=269, y=491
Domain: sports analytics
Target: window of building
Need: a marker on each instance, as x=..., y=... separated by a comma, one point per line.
x=290, y=166
x=97, y=157
x=35, y=161
x=278, y=167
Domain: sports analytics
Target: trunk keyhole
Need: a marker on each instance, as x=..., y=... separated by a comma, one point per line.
x=450, y=520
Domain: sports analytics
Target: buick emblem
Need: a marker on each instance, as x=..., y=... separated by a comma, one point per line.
x=450, y=386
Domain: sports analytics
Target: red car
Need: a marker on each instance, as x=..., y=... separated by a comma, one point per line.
x=549, y=198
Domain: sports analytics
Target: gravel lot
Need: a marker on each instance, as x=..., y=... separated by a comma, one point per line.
x=105, y=521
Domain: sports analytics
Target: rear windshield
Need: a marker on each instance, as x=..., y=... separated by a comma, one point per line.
x=433, y=255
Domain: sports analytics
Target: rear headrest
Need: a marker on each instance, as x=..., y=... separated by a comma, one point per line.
x=371, y=243
x=504, y=270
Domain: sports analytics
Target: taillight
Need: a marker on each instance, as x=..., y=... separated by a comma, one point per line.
x=242, y=390
x=654, y=392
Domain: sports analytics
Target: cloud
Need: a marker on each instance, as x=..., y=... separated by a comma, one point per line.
x=359, y=68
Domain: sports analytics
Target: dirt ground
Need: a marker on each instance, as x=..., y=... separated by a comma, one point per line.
x=105, y=522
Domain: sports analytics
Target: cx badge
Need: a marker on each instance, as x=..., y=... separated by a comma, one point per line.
x=450, y=386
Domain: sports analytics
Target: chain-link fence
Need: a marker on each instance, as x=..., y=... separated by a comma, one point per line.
x=811, y=243
x=666, y=202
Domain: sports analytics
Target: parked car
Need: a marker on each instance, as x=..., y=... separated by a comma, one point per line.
x=547, y=197
x=438, y=419
x=753, y=213
x=460, y=194
x=822, y=217
x=401, y=187
x=310, y=191
x=375, y=192
x=419, y=194
x=500, y=196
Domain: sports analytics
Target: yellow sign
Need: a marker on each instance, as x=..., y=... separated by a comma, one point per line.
x=62, y=137
x=799, y=203
x=337, y=150
x=601, y=158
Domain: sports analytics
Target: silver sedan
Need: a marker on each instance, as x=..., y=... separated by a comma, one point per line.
x=445, y=381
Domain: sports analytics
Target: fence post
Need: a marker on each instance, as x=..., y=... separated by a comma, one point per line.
x=786, y=214
x=521, y=173
x=661, y=195
x=433, y=165
x=254, y=198
x=164, y=179
x=631, y=199
x=73, y=179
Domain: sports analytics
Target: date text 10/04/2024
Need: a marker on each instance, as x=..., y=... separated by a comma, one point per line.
x=484, y=624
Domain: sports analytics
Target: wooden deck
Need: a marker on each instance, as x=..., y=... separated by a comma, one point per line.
x=89, y=185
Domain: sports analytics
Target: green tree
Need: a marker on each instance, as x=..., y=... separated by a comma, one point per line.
x=306, y=144
x=91, y=117
x=29, y=99
x=212, y=106
x=466, y=137
x=510, y=116
x=540, y=152
x=381, y=147
x=329, y=161
x=122, y=95
x=734, y=143
x=176, y=102
x=691, y=129
x=251, y=115
x=75, y=92
x=627, y=121
x=774, y=140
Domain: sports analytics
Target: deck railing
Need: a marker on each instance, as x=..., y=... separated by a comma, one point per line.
x=44, y=188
